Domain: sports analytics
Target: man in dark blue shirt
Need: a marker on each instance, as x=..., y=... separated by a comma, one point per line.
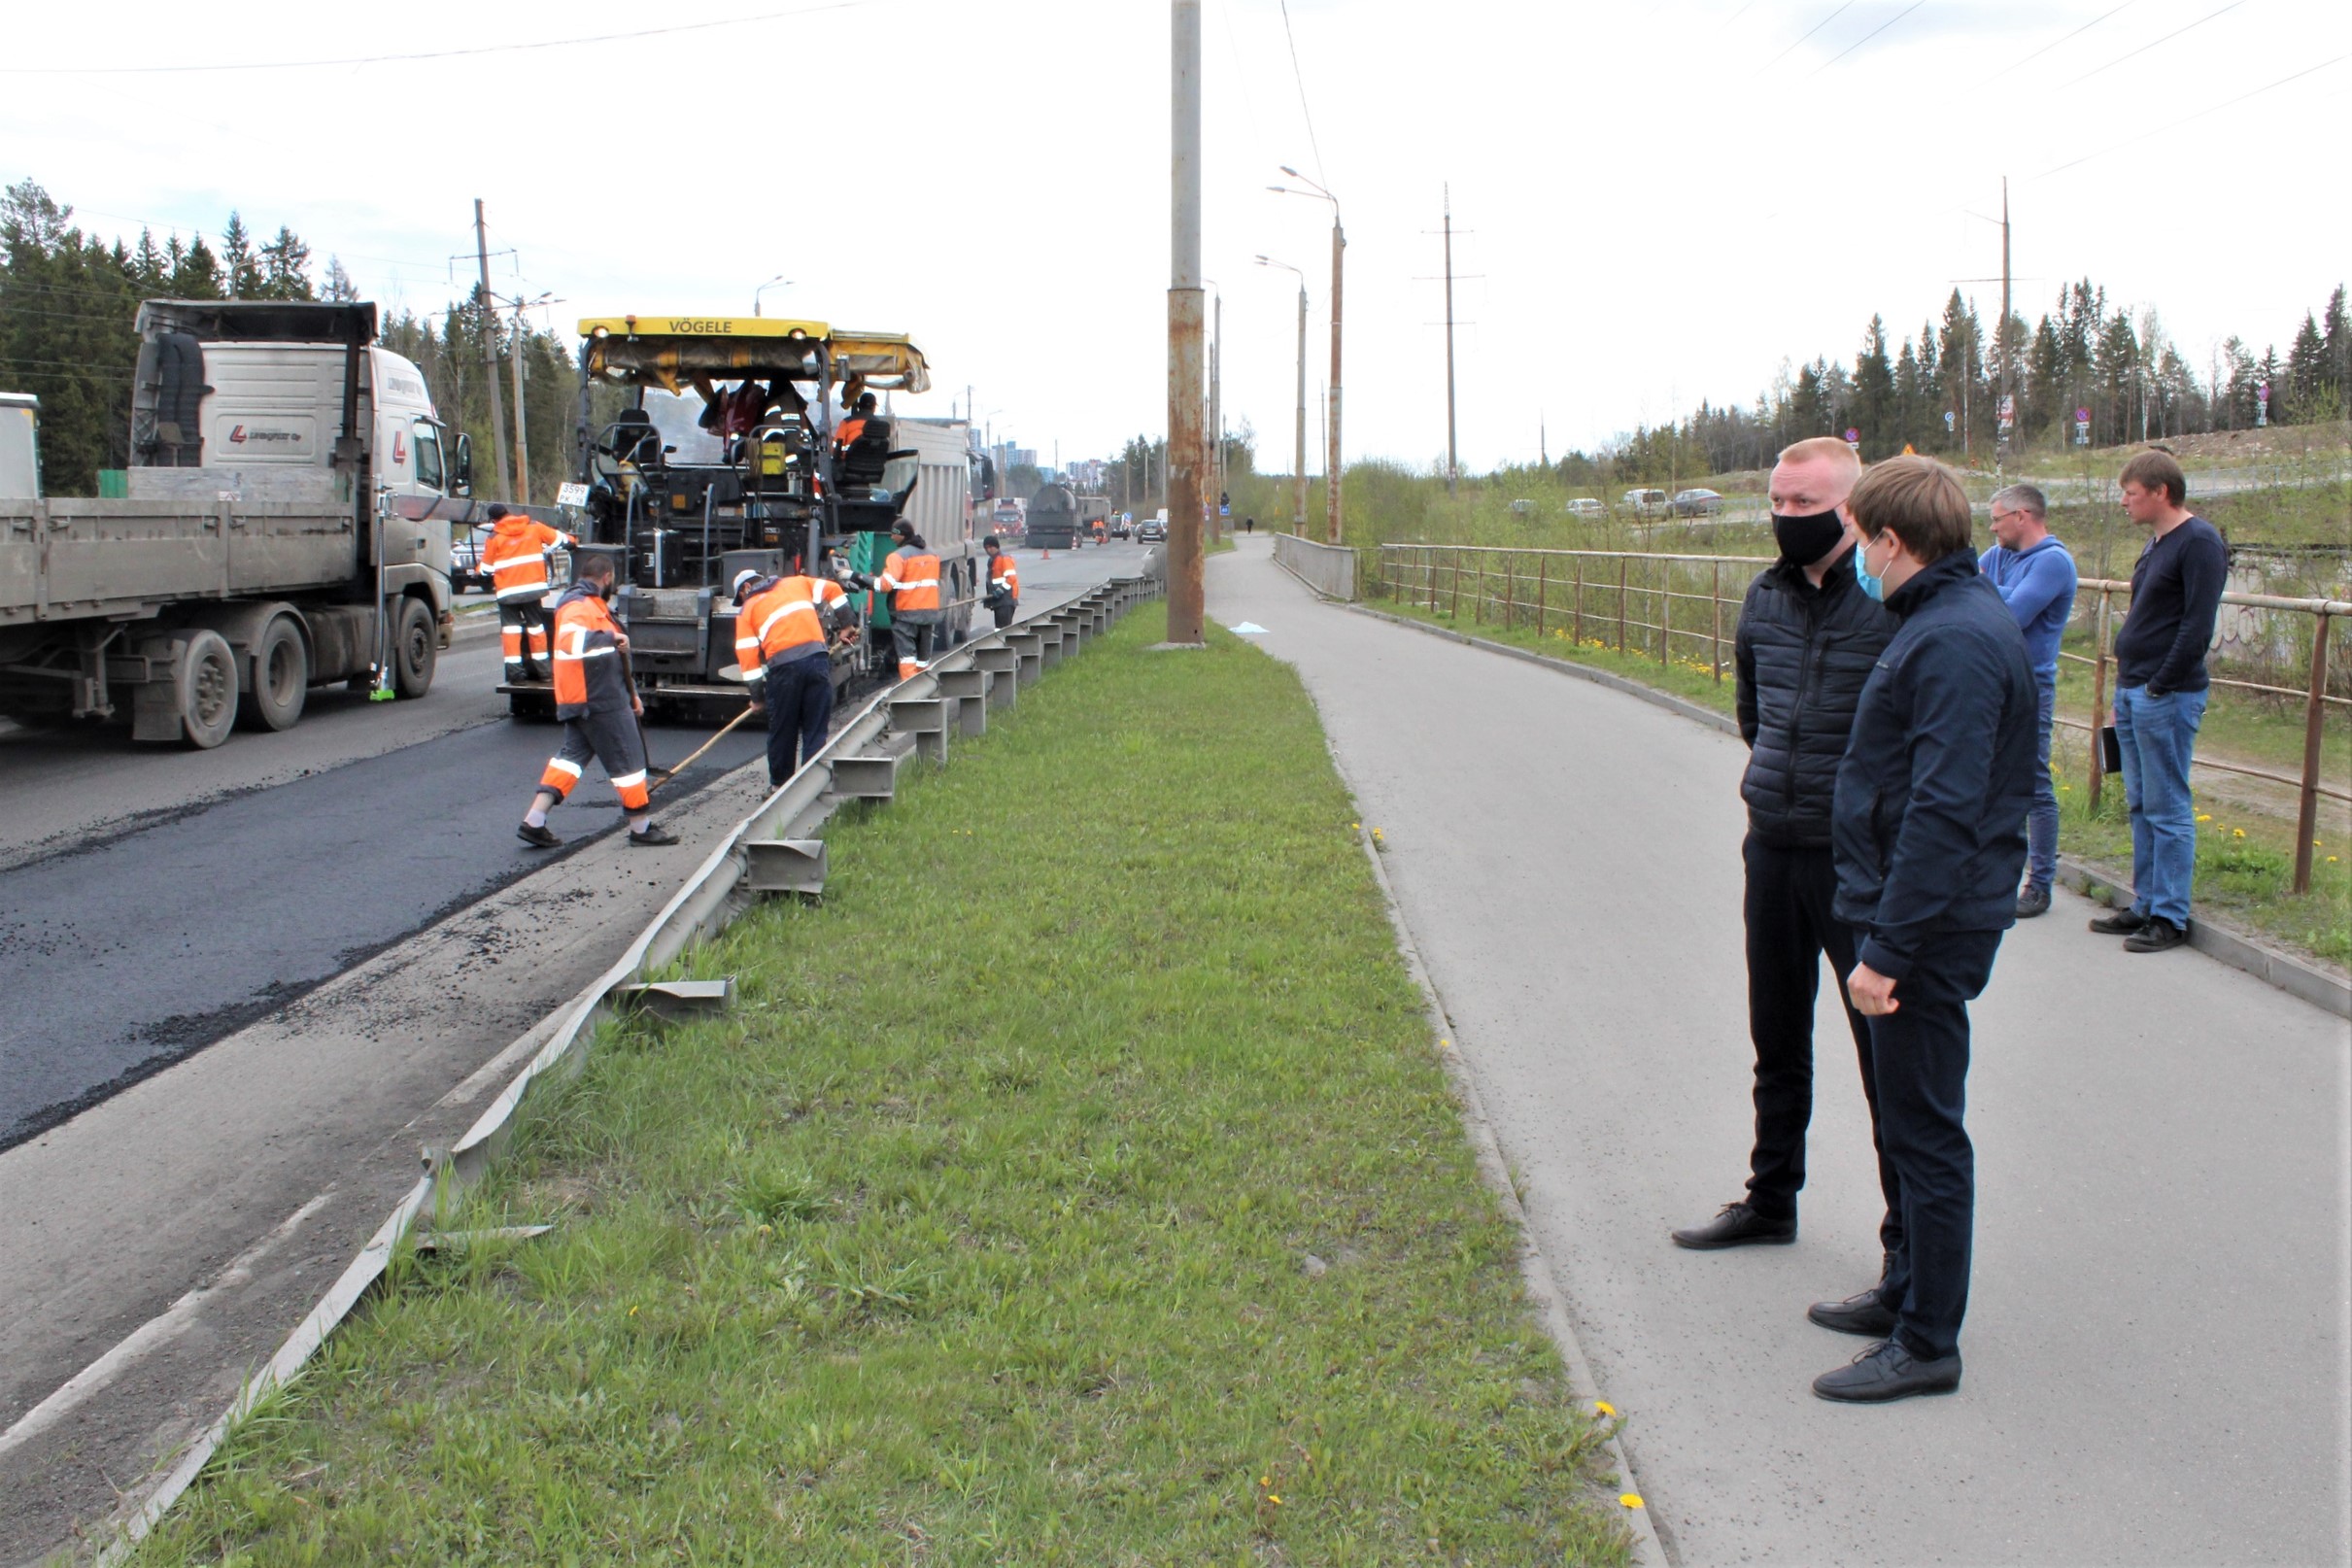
x=2037, y=579
x=2160, y=696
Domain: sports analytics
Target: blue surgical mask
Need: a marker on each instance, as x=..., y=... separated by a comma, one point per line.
x=1874, y=587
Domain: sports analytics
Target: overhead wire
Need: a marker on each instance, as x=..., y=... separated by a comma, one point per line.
x=1305, y=112
x=2052, y=44
x=1808, y=33
x=2153, y=43
x=523, y=47
x=2171, y=126
x=1865, y=38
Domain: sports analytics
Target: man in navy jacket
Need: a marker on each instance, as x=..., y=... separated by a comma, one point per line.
x=1926, y=830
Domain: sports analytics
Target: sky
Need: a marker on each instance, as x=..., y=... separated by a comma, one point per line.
x=1655, y=203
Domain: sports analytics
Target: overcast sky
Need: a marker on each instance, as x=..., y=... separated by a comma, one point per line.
x=1660, y=202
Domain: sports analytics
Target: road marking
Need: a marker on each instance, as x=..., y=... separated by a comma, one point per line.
x=149, y=1335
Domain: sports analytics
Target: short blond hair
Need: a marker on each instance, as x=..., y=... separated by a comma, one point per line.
x=1823, y=449
x=1918, y=500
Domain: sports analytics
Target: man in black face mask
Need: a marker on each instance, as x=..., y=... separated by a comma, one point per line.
x=1807, y=637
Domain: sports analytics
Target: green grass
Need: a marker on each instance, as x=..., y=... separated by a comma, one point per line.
x=978, y=1231
x=1684, y=675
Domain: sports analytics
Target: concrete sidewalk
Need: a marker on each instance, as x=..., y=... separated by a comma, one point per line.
x=2157, y=1340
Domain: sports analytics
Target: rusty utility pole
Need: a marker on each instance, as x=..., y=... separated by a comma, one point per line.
x=1187, y=605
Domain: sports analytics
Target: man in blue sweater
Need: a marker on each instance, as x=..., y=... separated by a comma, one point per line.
x=2035, y=576
x=2160, y=696
x=1925, y=829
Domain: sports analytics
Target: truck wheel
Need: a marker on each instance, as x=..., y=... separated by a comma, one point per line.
x=207, y=690
x=281, y=678
x=415, y=649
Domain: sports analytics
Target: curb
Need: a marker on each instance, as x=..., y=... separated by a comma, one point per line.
x=1545, y=1293
x=2299, y=978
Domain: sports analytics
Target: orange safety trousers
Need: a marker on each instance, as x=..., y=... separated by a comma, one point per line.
x=610, y=738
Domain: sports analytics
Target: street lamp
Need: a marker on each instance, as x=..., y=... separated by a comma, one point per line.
x=1339, y=245
x=1298, y=442
x=778, y=281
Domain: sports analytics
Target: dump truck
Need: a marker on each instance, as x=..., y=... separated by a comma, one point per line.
x=286, y=525
x=723, y=458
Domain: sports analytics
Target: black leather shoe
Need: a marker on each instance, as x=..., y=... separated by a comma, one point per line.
x=650, y=836
x=2122, y=923
x=1887, y=1372
x=1863, y=1314
x=2154, y=936
x=537, y=837
x=1737, y=1225
x=2035, y=901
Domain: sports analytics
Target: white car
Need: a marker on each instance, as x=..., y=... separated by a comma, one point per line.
x=1587, y=507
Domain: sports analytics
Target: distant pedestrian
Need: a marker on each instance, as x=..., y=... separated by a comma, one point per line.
x=1003, y=595
x=2160, y=685
x=598, y=710
x=783, y=627
x=2035, y=576
x=1807, y=639
x=1930, y=808
x=1249, y=524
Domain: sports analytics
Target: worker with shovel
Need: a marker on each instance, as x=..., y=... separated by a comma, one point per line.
x=599, y=710
x=782, y=628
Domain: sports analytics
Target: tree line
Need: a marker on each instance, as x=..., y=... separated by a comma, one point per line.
x=1939, y=389
x=69, y=298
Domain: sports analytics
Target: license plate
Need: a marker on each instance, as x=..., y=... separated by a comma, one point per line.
x=571, y=495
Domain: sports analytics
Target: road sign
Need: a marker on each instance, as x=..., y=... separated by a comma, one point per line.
x=2261, y=405
x=1950, y=419
x=2082, y=416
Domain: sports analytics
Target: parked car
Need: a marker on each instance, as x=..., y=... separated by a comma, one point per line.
x=465, y=573
x=1697, y=504
x=1587, y=507
x=1648, y=502
x=1150, y=529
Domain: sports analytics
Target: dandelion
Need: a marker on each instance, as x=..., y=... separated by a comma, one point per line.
x=2204, y=816
x=2238, y=833
x=1630, y=1499
x=2331, y=860
x=1602, y=1407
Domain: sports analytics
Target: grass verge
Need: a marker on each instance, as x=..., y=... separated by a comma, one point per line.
x=1077, y=1184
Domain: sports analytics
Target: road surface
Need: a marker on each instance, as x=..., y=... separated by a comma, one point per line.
x=2155, y=1344
x=245, y=986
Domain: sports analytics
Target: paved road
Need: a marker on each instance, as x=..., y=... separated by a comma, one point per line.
x=2157, y=1342
x=163, y=1237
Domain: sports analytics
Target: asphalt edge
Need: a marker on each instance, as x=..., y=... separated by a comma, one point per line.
x=1545, y=1294
x=2299, y=978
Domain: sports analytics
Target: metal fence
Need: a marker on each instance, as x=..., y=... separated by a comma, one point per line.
x=1670, y=607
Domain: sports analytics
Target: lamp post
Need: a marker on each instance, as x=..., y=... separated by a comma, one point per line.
x=1339, y=246
x=1298, y=439
x=779, y=281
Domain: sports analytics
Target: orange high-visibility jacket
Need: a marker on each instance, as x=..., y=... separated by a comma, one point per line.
x=785, y=615
x=1003, y=572
x=516, y=555
x=849, y=429
x=587, y=657
x=911, y=579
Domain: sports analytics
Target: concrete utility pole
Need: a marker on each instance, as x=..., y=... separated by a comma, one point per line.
x=1331, y=462
x=1298, y=440
x=1216, y=422
x=1187, y=597
x=2002, y=411
x=522, y=426
x=489, y=342
x=1453, y=466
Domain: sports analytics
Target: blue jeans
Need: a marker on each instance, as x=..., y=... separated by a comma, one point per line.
x=2157, y=736
x=2042, y=819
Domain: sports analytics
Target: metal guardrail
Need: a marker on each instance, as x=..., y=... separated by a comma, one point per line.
x=1587, y=594
x=771, y=851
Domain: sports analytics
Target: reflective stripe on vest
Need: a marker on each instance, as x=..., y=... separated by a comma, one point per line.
x=919, y=588
x=781, y=618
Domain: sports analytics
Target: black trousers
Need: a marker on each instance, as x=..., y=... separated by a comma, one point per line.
x=914, y=639
x=1789, y=929
x=1921, y=1052
x=799, y=711
x=1003, y=607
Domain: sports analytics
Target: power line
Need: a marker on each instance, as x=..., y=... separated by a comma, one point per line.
x=2174, y=124
x=526, y=45
x=1808, y=33
x=1867, y=37
x=1305, y=112
x=2047, y=48
x=2144, y=47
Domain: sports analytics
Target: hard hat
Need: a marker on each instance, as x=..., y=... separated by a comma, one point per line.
x=743, y=579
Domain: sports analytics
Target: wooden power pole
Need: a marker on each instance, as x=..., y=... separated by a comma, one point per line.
x=490, y=343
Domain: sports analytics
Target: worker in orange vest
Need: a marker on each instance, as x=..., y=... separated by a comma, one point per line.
x=782, y=630
x=598, y=710
x=910, y=576
x=1004, y=582
x=516, y=557
x=855, y=426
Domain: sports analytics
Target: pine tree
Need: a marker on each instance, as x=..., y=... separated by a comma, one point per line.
x=242, y=268
x=2045, y=381
x=2335, y=339
x=195, y=272
x=2307, y=372
x=153, y=271
x=2114, y=372
x=1874, y=391
x=285, y=267
x=340, y=287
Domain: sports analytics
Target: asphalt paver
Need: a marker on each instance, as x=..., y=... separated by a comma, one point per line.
x=2156, y=1345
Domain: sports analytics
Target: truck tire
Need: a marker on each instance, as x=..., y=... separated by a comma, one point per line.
x=415, y=649
x=281, y=678
x=207, y=690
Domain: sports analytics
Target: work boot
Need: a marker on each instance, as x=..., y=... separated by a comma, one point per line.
x=2154, y=936
x=2122, y=923
x=1865, y=1315
x=653, y=834
x=1737, y=1225
x=537, y=838
x=2035, y=901
x=1887, y=1372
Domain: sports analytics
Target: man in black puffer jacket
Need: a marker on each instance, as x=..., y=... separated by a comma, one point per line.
x=1807, y=641
x=1928, y=828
